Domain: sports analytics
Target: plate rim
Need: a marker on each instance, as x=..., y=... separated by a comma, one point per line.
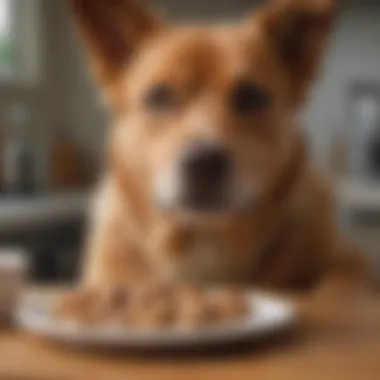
x=28, y=317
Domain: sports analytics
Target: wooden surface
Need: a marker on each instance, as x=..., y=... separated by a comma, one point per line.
x=337, y=343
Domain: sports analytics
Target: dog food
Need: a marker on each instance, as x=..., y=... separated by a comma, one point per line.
x=158, y=304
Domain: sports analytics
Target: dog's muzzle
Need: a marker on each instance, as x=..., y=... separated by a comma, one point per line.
x=205, y=171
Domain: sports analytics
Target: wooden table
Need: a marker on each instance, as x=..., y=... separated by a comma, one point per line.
x=330, y=342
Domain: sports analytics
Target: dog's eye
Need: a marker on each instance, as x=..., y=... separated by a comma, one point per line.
x=160, y=98
x=248, y=97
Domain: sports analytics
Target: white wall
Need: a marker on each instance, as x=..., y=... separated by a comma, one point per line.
x=354, y=54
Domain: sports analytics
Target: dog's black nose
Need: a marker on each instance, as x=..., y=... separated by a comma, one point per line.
x=205, y=163
x=205, y=168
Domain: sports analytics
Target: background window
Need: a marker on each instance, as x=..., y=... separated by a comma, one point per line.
x=5, y=37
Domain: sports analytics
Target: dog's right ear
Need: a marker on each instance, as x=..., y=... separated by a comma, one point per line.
x=112, y=31
x=298, y=31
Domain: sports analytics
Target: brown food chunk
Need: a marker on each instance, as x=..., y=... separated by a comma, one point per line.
x=82, y=306
x=230, y=304
x=194, y=308
x=152, y=305
x=91, y=306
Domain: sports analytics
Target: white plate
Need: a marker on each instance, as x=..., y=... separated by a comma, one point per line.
x=267, y=315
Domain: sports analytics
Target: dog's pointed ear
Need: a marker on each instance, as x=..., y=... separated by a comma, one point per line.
x=111, y=31
x=298, y=31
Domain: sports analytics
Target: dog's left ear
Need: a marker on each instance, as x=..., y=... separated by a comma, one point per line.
x=298, y=31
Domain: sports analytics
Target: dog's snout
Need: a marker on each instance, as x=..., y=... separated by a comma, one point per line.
x=205, y=163
x=205, y=170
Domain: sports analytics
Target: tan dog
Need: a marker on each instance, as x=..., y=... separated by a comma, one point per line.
x=208, y=177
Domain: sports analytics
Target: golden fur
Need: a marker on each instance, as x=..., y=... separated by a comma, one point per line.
x=289, y=238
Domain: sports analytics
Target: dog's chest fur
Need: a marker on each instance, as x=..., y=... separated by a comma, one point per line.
x=204, y=257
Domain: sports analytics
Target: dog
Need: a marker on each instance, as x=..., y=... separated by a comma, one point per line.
x=208, y=175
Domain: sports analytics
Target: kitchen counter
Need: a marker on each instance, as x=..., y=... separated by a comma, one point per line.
x=359, y=195
x=25, y=214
